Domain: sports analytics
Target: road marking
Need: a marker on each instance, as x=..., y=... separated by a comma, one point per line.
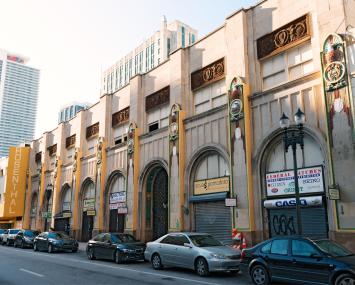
x=106, y=266
x=32, y=272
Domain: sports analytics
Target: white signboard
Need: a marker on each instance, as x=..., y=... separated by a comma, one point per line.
x=291, y=202
x=310, y=180
x=231, y=202
x=119, y=197
x=117, y=205
x=122, y=210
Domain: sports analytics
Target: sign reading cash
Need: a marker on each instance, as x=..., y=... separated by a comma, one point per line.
x=211, y=186
x=310, y=180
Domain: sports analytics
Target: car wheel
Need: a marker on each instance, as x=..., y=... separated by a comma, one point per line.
x=118, y=257
x=74, y=250
x=345, y=279
x=22, y=246
x=91, y=255
x=202, y=267
x=50, y=249
x=234, y=271
x=156, y=262
x=259, y=275
x=35, y=246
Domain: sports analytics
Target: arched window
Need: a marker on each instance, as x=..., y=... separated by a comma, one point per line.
x=280, y=160
x=34, y=204
x=66, y=199
x=118, y=184
x=211, y=167
x=90, y=191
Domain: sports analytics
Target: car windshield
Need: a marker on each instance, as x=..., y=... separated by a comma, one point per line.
x=57, y=235
x=123, y=238
x=204, y=241
x=31, y=234
x=332, y=249
x=13, y=231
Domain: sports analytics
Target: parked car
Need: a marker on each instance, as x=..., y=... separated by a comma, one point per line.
x=55, y=241
x=196, y=251
x=115, y=246
x=25, y=238
x=9, y=236
x=1, y=233
x=299, y=260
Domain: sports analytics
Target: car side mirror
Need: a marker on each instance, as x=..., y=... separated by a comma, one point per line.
x=316, y=256
x=187, y=245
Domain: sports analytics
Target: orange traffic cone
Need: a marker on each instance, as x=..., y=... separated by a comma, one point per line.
x=244, y=243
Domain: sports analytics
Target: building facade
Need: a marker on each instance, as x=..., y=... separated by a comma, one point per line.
x=163, y=152
x=19, y=86
x=69, y=110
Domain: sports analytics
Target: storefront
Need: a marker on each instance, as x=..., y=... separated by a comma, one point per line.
x=117, y=212
x=211, y=214
x=281, y=202
x=62, y=219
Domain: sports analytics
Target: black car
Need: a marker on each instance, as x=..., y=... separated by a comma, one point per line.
x=55, y=241
x=299, y=260
x=115, y=246
x=25, y=238
x=1, y=233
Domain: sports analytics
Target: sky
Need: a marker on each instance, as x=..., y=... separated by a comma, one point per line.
x=72, y=41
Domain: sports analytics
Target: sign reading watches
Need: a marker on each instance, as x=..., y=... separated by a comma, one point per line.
x=209, y=186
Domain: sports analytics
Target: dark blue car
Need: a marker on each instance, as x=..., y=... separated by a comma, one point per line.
x=293, y=259
x=115, y=246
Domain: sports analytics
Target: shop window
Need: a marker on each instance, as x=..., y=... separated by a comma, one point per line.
x=1, y=173
x=52, y=161
x=91, y=146
x=118, y=185
x=211, y=96
x=288, y=65
x=90, y=192
x=119, y=132
x=158, y=117
x=70, y=154
x=211, y=167
x=38, y=166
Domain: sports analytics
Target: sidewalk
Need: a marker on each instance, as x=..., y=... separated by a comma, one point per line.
x=82, y=246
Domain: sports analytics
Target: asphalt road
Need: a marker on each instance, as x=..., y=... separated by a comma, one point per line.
x=25, y=266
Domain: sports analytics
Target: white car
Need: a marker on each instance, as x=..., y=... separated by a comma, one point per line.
x=196, y=251
x=8, y=237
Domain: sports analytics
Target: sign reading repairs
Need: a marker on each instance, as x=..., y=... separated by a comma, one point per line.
x=310, y=180
x=209, y=186
x=14, y=196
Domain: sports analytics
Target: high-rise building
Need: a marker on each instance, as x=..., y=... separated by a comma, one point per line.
x=69, y=110
x=19, y=85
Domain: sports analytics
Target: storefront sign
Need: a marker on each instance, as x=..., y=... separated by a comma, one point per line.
x=119, y=197
x=310, y=180
x=116, y=206
x=91, y=213
x=211, y=186
x=291, y=202
x=66, y=215
x=334, y=194
x=122, y=210
x=231, y=202
x=89, y=205
x=66, y=206
x=46, y=215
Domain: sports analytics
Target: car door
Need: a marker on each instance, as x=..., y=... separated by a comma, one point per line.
x=18, y=238
x=98, y=247
x=44, y=241
x=106, y=246
x=166, y=249
x=4, y=237
x=303, y=267
x=39, y=240
x=184, y=256
x=276, y=255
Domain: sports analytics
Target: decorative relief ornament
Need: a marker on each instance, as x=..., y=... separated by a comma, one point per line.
x=27, y=176
x=334, y=73
x=75, y=160
x=40, y=174
x=236, y=105
x=56, y=167
x=100, y=143
x=174, y=128
x=207, y=74
x=130, y=143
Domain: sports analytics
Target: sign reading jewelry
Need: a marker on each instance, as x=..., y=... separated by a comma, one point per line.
x=310, y=180
x=209, y=186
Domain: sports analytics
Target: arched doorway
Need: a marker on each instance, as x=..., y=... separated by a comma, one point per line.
x=277, y=184
x=62, y=221
x=117, y=201
x=88, y=205
x=159, y=191
x=33, y=211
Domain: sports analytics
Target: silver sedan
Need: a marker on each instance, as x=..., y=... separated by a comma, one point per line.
x=196, y=251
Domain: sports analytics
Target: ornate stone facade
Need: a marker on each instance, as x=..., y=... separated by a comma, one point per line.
x=157, y=99
x=207, y=74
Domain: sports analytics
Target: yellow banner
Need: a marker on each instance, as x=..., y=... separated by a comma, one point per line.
x=16, y=181
x=211, y=186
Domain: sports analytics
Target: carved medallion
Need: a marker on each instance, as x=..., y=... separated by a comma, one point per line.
x=120, y=116
x=70, y=141
x=158, y=98
x=52, y=149
x=92, y=130
x=207, y=74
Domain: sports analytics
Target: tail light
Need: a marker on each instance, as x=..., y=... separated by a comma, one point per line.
x=146, y=245
x=241, y=255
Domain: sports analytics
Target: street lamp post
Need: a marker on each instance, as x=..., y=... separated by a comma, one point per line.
x=293, y=141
